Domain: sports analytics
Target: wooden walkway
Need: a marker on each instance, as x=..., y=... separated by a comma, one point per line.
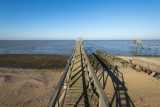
x=79, y=86
x=77, y=93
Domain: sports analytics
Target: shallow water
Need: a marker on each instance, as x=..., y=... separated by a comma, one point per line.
x=65, y=47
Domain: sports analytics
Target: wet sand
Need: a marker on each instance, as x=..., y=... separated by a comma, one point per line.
x=34, y=61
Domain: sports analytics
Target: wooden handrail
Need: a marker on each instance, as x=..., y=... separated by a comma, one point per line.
x=58, y=96
x=57, y=90
x=103, y=99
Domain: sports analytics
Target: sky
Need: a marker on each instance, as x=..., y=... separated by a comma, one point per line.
x=69, y=19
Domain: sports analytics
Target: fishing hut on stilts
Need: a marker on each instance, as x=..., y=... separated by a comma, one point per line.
x=140, y=46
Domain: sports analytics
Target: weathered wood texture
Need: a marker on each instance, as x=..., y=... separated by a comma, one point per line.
x=79, y=85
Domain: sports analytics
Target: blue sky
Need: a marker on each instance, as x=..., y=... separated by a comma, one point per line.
x=68, y=19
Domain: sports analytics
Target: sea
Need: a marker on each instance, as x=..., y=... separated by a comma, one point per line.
x=65, y=47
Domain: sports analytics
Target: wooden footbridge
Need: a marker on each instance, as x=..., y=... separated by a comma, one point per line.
x=79, y=85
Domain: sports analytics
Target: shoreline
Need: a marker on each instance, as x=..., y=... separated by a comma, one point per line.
x=52, y=61
x=33, y=61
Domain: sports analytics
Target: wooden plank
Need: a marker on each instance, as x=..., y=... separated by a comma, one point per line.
x=78, y=90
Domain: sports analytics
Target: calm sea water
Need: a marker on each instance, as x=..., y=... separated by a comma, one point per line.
x=65, y=47
x=37, y=47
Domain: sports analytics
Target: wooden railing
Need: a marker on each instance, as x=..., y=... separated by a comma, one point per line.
x=92, y=79
x=104, y=58
x=58, y=97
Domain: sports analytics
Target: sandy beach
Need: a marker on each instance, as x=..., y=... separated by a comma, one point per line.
x=151, y=59
x=139, y=89
x=149, y=62
x=33, y=61
x=27, y=87
x=29, y=80
x=127, y=87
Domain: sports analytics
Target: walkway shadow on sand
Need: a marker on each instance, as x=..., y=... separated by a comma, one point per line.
x=120, y=91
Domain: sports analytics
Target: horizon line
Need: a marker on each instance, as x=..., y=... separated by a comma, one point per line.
x=68, y=39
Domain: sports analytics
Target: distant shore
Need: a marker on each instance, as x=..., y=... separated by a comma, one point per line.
x=33, y=61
